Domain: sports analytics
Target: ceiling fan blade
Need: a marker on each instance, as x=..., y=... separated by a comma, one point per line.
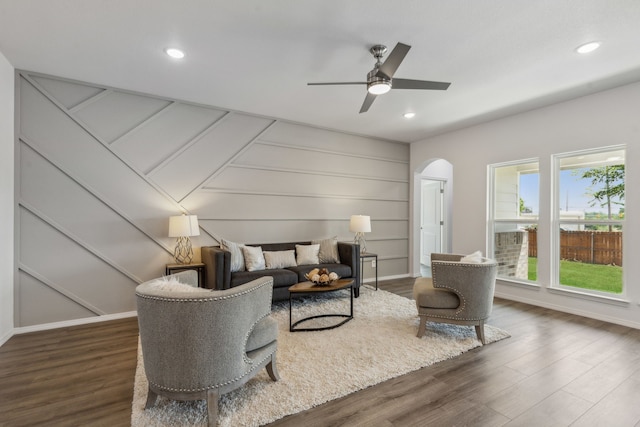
x=336, y=83
x=368, y=100
x=418, y=84
x=391, y=64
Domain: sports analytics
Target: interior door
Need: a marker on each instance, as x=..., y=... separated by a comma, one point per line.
x=431, y=222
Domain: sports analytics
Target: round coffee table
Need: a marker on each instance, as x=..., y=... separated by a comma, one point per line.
x=311, y=288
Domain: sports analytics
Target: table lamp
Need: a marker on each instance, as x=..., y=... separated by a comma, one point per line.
x=360, y=224
x=182, y=227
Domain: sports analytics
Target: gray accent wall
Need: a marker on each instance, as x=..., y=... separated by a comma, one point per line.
x=100, y=170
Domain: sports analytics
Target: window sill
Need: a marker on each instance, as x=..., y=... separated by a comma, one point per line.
x=518, y=283
x=613, y=300
x=606, y=299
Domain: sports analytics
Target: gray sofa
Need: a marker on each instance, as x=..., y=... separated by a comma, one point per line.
x=219, y=276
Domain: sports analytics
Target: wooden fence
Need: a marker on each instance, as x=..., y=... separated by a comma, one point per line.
x=592, y=247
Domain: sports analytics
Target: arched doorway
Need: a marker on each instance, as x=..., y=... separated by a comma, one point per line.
x=431, y=219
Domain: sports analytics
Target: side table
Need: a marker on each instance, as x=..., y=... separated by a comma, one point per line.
x=364, y=255
x=199, y=267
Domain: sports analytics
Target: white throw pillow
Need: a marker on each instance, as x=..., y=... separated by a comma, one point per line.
x=307, y=254
x=328, y=250
x=279, y=259
x=237, y=258
x=474, y=258
x=253, y=258
x=168, y=283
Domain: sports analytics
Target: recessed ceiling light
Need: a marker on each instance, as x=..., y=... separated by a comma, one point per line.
x=409, y=115
x=588, y=47
x=174, y=53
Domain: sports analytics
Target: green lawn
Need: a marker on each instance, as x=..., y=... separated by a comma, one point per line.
x=604, y=278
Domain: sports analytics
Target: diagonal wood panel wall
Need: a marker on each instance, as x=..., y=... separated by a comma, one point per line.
x=100, y=170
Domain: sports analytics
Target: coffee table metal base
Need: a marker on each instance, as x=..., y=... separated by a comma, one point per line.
x=347, y=317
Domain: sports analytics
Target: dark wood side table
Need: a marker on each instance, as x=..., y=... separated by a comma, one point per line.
x=364, y=255
x=199, y=267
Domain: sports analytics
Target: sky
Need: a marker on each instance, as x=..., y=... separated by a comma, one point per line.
x=573, y=193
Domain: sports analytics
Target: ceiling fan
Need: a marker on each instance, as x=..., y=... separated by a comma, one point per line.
x=380, y=80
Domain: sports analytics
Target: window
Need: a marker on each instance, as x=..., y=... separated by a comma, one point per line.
x=513, y=219
x=589, y=221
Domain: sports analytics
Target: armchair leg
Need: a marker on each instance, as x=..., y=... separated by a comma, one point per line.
x=212, y=407
x=423, y=326
x=151, y=399
x=480, y=332
x=272, y=369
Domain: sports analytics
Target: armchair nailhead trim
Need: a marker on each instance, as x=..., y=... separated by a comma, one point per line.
x=463, y=301
x=457, y=292
x=202, y=299
x=195, y=390
x=450, y=317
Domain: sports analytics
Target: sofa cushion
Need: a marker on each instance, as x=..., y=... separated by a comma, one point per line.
x=429, y=297
x=237, y=257
x=307, y=254
x=283, y=277
x=253, y=258
x=328, y=250
x=279, y=259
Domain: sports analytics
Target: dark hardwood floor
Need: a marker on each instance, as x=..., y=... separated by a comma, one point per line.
x=556, y=370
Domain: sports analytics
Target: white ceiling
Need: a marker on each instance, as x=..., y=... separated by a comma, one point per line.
x=256, y=56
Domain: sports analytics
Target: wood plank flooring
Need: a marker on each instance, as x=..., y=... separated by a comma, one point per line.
x=556, y=370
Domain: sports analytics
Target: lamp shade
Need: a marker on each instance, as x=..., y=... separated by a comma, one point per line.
x=183, y=226
x=360, y=224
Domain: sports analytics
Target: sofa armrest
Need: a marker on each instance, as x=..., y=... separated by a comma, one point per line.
x=217, y=263
x=350, y=255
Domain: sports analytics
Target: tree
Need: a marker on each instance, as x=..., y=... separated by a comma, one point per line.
x=610, y=183
x=523, y=207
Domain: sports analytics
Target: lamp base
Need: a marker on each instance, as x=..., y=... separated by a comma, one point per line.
x=183, y=252
x=359, y=240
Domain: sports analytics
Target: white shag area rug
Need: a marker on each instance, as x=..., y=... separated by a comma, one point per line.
x=380, y=343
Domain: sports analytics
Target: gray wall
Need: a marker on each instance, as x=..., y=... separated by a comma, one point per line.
x=6, y=197
x=101, y=170
x=603, y=119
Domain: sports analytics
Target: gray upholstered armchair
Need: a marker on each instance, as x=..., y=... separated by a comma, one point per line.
x=458, y=292
x=198, y=343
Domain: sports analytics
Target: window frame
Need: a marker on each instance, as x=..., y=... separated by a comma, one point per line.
x=491, y=214
x=556, y=222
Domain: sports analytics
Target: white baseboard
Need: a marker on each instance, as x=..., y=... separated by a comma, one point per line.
x=373, y=279
x=74, y=322
x=5, y=338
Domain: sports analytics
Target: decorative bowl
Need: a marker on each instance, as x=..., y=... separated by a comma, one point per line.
x=321, y=277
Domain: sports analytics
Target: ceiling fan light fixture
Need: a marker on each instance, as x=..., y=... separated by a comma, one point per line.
x=409, y=115
x=379, y=87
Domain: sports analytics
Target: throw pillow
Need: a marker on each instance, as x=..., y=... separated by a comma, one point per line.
x=253, y=258
x=328, y=250
x=237, y=258
x=307, y=254
x=279, y=259
x=474, y=258
x=172, y=284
